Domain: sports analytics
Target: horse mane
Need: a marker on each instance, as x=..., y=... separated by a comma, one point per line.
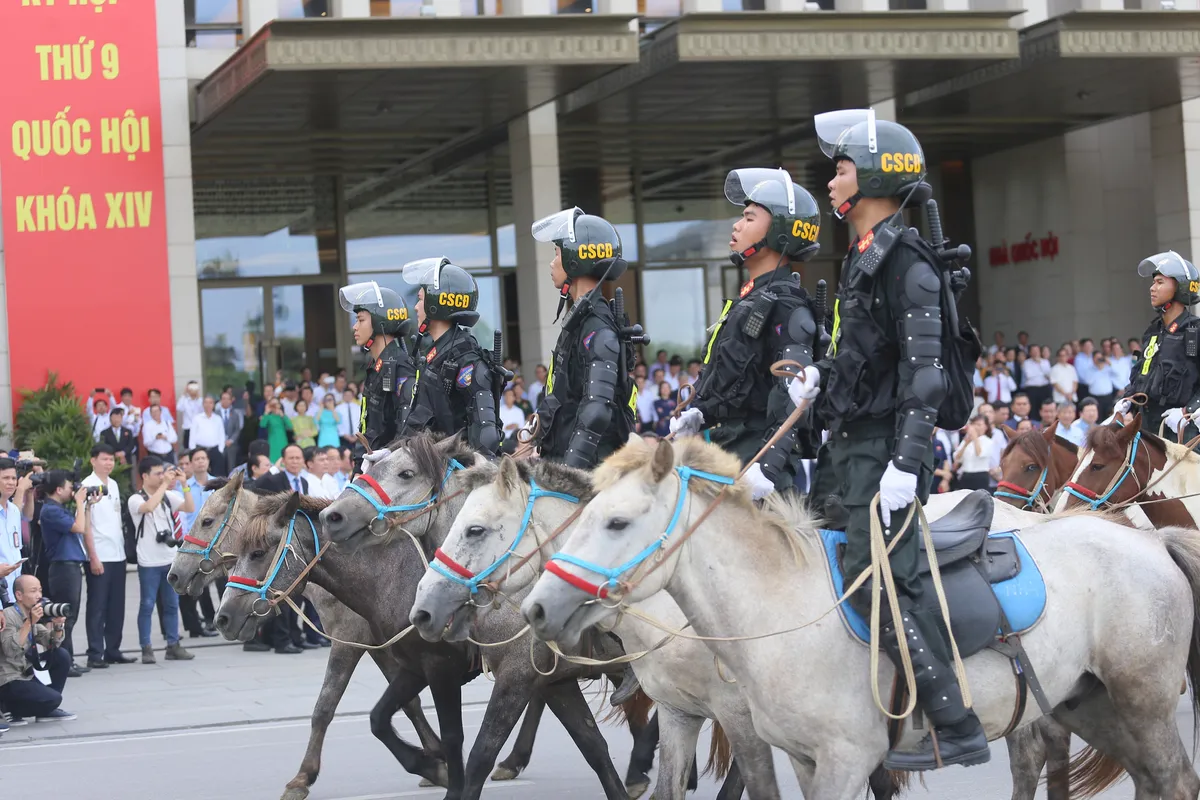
x=550, y=475
x=256, y=534
x=1177, y=452
x=1032, y=443
x=430, y=461
x=783, y=515
x=1104, y=439
x=216, y=484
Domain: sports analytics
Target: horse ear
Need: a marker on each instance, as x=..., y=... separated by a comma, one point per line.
x=289, y=509
x=633, y=439
x=1049, y=434
x=663, y=462
x=1133, y=427
x=446, y=446
x=509, y=478
x=235, y=482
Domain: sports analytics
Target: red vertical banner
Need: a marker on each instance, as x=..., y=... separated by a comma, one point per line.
x=81, y=183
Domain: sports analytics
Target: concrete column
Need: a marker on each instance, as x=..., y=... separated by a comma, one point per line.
x=702, y=6
x=616, y=7
x=180, y=215
x=529, y=8
x=1175, y=160
x=255, y=14
x=351, y=9
x=533, y=157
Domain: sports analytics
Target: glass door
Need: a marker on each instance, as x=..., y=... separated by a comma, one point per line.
x=234, y=326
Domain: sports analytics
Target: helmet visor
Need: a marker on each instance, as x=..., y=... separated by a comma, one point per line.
x=771, y=188
x=1170, y=264
x=843, y=128
x=557, y=227
x=424, y=271
x=360, y=295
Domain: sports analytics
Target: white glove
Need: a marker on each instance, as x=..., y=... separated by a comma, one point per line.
x=896, y=491
x=688, y=423
x=760, y=485
x=1122, y=406
x=371, y=459
x=806, y=387
x=1174, y=419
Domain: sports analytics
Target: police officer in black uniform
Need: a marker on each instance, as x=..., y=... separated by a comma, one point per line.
x=455, y=388
x=1168, y=368
x=737, y=401
x=883, y=385
x=380, y=324
x=588, y=410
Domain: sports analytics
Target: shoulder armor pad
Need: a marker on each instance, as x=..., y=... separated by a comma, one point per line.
x=922, y=284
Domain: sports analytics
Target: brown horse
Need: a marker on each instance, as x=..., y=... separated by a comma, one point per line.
x=1034, y=465
x=1124, y=464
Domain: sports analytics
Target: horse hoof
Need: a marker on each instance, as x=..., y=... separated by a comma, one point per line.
x=503, y=773
x=295, y=793
x=636, y=790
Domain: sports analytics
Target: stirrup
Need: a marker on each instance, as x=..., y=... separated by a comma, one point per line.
x=942, y=749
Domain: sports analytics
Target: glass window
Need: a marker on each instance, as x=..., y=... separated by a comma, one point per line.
x=673, y=303
x=620, y=214
x=687, y=230
x=211, y=11
x=258, y=228
x=299, y=9
x=381, y=240
x=232, y=321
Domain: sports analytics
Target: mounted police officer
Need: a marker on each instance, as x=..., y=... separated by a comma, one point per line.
x=883, y=385
x=587, y=413
x=1168, y=369
x=380, y=323
x=737, y=400
x=454, y=388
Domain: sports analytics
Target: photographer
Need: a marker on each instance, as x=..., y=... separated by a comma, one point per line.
x=68, y=541
x=13, y=493
x=154, y=511
x=22, y=694
x=105, y=618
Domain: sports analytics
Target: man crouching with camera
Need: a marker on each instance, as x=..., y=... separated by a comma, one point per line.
x=22, y=694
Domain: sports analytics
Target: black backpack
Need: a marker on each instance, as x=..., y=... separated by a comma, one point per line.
x=961, y=346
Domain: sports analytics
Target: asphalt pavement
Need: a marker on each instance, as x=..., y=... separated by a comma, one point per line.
x=235, y=724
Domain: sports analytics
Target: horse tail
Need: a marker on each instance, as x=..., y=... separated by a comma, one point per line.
x=720, y=753
x=1184, y=548
x=1091, y=772
x=635, y=711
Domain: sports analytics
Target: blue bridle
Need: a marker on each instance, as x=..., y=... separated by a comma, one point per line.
x=206, y=553
x=1030, y=498
x=261, y=587
x=1093, y=500
x=459, y=574
x=601, y=590
x=385, y=508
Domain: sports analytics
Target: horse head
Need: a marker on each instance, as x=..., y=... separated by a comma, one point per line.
x=404, y=487
x=201, y=559
x=1034, y=465
x=1114, y=467
x=497, y=542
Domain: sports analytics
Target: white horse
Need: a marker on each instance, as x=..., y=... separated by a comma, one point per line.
x=503, y=521
x=1116, y=634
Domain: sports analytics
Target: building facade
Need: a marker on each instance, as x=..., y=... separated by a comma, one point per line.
x=305, y=145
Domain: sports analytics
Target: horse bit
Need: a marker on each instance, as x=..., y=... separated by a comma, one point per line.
x=207, y=565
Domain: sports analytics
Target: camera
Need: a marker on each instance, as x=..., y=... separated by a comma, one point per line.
x=96, y=491
x=167, y=538
x=56, y=609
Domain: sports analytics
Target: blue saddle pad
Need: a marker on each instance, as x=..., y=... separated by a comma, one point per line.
x=1023, y=597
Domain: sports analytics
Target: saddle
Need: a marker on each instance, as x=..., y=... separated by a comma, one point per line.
x=993, y=586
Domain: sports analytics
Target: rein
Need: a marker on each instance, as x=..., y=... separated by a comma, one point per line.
x=206, y=563
x=1030, y=497
x=385, y=507
x=1095, y=500
x=262, y=587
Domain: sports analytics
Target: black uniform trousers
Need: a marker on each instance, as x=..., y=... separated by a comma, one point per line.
x=858, y=456
x=105, y=619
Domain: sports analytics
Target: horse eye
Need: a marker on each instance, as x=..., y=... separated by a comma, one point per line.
x=1097, y=467
x=618, y=524
x=475, y=530
x=206, y=522
x=1031, y=467
x=408, y=474
x=257, y=554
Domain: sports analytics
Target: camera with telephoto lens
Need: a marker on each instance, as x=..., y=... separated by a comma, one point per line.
x=96, y=491
x=53, y=610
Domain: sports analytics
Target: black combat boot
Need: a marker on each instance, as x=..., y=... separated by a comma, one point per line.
x=960, y=738
x=629, y=685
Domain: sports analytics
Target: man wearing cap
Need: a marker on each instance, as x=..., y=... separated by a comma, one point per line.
x=1167, y=370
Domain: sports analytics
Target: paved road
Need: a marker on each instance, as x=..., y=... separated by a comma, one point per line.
x=231, y=723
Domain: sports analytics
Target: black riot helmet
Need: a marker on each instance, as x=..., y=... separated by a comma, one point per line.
x=887, y=157
x=389, y=313
x=795, y=218
x=451, y=294
x=589, y=245
x=1174, y=266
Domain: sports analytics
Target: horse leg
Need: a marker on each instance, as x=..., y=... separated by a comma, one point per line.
x=882, y=784
x=1058, y=758
x=841, y=770
x=641, y=759
x=338, y=669
x=1026, y=757
x=522, y=751
x=412, y=709
x=1095, y=720
x=400, y=691
x=501, y=716
x=678, y=734
x=567, y=703
x=447, y=700
x=734, y=787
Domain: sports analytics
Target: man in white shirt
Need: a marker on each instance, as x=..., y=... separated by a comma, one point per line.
x=155, y=399
x=348, y=412
x=158, y=434
x=999, y=385
x=105, y=618
x=331, y=465
x=534, y=390
x=314, y=470
x=189, y=405
x=153, y=511
x=208, y=431
x=13, y=492
x=133, y=415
